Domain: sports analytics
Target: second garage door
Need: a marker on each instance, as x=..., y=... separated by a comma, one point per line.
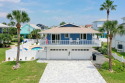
x=80, y=54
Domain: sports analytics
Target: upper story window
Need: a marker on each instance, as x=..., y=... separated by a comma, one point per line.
x=66, y=35
x=83, y=36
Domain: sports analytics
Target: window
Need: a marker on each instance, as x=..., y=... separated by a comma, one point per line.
x=83, y=36
x=66, y=35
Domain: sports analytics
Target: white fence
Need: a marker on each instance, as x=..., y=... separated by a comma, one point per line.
x=121, y=59
x=25, y=55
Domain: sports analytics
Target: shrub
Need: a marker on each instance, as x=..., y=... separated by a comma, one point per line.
x=16, y=40
x=117, y=66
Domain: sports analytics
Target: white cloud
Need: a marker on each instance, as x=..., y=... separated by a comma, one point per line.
x=13, y=1
x=3, y=14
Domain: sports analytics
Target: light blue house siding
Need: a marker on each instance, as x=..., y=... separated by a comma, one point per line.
x=73, y=36
x=25, y=30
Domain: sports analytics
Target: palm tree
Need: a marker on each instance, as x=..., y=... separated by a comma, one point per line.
x=12, y=24
x=108, y=6
x=18, y=17
x=113, y=29
x=35, y=34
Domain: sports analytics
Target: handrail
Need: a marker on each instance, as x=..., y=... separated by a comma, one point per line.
x=70, y=42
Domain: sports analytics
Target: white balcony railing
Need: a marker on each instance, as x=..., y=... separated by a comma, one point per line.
x=71, y=42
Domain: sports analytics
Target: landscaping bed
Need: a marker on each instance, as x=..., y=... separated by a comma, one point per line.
x=118, y=76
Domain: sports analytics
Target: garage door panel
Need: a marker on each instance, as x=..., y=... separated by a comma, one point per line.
x=58, y=54
x=80, y=54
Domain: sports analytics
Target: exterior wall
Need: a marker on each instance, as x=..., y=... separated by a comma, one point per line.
x=0, y=30
x=73, y=36
x=98, y=24
x=26, y=29
x=49, y=36
x=115, y=45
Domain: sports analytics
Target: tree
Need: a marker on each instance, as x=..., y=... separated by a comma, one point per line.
x=12, y=24
x=62, y=23
x=35, y=34
x=18, y=17
x=108, y=6
x=113, y=29
x=4, y=23
x=5, y=39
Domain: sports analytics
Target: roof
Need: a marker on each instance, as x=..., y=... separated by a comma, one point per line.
x=58, y=30
x=34, y=26
x=89, y=25
x=69, y=25
x=3, y=26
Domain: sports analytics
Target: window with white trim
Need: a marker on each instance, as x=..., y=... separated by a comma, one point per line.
x=66, y=35
x=83, y=36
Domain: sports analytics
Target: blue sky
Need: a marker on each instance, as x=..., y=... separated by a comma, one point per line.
x=52, y=12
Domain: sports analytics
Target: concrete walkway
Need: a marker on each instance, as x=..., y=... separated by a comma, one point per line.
x=70, y=72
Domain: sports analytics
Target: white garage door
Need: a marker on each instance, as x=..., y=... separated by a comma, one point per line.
x=58, y=53
x=80, y=53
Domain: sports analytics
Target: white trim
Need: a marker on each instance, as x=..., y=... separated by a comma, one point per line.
x=83, y=36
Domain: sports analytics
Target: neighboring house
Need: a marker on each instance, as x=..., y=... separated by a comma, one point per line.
x=69, y=41
x=96, y=25
x=88, y=26
x=119, y=40
x=27, y=29
x=42, y=26
x=2, y=26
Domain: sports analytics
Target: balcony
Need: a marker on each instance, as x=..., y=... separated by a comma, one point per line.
x=93, y=43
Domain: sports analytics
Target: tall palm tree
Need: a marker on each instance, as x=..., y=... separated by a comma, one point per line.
x=113, y=29
x=18, y=17
x=108, y=6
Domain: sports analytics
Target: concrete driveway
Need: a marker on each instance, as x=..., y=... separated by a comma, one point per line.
x=71, y=72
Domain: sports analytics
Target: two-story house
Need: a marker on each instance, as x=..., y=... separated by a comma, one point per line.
x=119, y=40
x=96, y=25
x=69, y=41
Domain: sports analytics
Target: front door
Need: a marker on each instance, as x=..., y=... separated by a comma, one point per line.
x=55, y=38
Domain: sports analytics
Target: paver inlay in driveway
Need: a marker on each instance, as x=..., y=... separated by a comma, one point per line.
x=71, y=72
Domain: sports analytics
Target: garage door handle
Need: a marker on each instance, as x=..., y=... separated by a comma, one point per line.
x=69, y=53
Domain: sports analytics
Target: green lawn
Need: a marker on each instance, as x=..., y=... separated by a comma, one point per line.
x=2, y=54
x=113, y=77
x=30, y=71
x=118, y=53
x=118, y=76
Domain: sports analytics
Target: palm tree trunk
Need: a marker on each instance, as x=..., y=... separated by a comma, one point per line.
x=18, y=47
x=110, y=55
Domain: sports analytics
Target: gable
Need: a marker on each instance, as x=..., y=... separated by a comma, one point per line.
x=26, y=29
